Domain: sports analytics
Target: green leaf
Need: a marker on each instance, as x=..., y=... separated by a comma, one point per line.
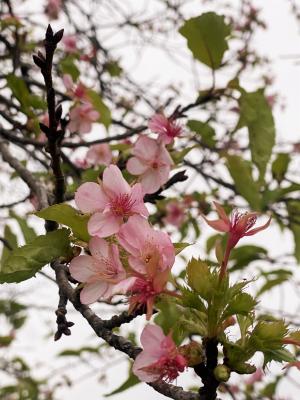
x=201, y=279
x=18, y=87
x=69, y=216
x=268, y=335
x=11, y=240
x=280, y=166
x=293, y=208
x=77, y=353
x=113, y=68
x=206, y=132
x=28, y=232
x=132, y=380
x=101, y=107
x=179, y=247
x=241, y=304
x=67, y=66
x=26, y=99
x=179, y=155
x=168, y=317
x=207, y=38
x=256, y=115
x=241, y=174
x=266, y=287
x=244, y=255
x=25, y=261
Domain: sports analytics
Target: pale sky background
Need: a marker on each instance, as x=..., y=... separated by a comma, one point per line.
x=281, y=39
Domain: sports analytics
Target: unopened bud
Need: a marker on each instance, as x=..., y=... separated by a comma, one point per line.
x=192, y=352
x=222, y=373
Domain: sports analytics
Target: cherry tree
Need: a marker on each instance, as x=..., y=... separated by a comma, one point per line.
x=109, y=186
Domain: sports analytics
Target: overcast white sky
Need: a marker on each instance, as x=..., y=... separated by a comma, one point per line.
x=280, y=40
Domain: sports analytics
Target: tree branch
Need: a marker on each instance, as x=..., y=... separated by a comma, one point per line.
x=118, y=342
x=35, y=186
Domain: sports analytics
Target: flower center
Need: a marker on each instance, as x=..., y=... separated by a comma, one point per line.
x=121, y=206
x=167, y=367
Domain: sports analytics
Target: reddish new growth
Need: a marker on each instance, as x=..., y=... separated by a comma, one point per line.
x=237, y=226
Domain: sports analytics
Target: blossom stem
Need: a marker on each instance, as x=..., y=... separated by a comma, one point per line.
x=225, y=262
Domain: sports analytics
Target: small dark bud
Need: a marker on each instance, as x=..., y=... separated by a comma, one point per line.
x=41, y=56
x=58, y=112
x=69, y=324
x=57, y=336
x=49, y=33
x=67, y=332
x=44, y=128
x=40, y=63
x=58, y=36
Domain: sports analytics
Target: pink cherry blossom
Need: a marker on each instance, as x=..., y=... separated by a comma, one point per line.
x=151, y=162
x=99, y=154
x=53, y=8
x=70, y=43
x=102, y=272
x=176, y=213
x=150, y=250
x=78, y=91
x=237, y=226
x=257, y=376
x=81, y=118
x=167, y=128
x=110, y=202
x=151, y=256
x=160, y=358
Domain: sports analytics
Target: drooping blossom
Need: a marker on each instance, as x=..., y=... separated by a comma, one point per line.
x=160, y=358
x=111, y=202
x=102, y=272
x=81, y=163
x=99, y=154
x=167, y=128
x=81, y=118
x=237, y=226
x=151, y=162
x=52, y=8
x=151, y=256
x=257, y=376
x=78, y=91
x=176, y=214
x=70, y=43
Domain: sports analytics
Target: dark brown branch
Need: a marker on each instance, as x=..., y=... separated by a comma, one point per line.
x=54, y=135
x=35, y=186
x=118, y=342
x=178, y=177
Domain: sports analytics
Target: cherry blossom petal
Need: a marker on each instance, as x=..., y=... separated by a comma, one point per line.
x=133, y=233
x=259, y=228
x=150, y=181
x=144, y=360
x=83, y=268
x=151, y=338
x=90, y=197
x=93, y=291
x=104, y=224
x=99, y=248
x=221, y=212
x=124, y=286
x=84, y=126
x=114, y=183
x=137, y=196
x=218, y=224
x=145, y=148
x=136, y=167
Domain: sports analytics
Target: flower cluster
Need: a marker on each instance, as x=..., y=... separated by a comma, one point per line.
x=118, y=225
